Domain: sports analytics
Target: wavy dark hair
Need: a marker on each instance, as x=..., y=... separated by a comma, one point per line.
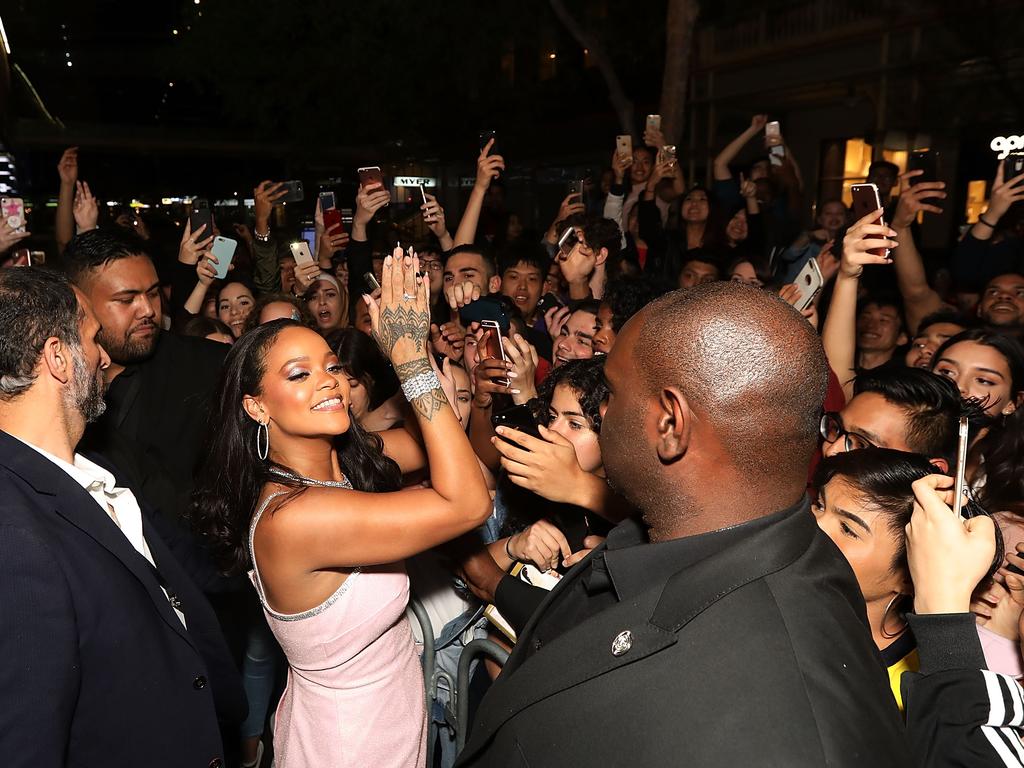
x=586, y=379
x=231, y=476
x=1002, y=446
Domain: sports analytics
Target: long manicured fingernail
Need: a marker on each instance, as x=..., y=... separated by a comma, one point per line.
x=515, y=391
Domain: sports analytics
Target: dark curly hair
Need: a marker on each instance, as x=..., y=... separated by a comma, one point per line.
x=586, y=379
x=628, y=295
x=231, y=476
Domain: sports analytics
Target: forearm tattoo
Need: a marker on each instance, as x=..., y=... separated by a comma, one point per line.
x=398, y=322
x=427, y=403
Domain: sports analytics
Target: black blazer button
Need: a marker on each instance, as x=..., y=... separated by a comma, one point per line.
x=199, y=683
x=216, y=763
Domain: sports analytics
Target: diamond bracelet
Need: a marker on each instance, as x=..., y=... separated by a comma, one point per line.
x=417, y=386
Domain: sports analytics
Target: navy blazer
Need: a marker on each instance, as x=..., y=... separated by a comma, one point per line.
x=95, y=666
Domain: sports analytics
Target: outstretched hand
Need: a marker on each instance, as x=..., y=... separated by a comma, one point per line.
x=400, y=319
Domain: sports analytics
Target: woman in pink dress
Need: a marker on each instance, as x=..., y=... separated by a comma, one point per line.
x=294, y=491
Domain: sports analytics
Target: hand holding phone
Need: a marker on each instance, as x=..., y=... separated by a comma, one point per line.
x=223, y=250
x=867, y=206
x=959, y=485
x=14, y=213
x=624, y=146
x=200, y=216
x=492, y=346
x=808, y=282
x=301, y=253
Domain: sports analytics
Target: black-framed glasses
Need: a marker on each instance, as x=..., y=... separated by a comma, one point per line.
x=832, y=429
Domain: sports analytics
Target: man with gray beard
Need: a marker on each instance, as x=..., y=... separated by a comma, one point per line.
x=111, y=654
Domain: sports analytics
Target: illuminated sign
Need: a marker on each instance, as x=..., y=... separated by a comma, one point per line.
x=415, y=181
x=1004, y=145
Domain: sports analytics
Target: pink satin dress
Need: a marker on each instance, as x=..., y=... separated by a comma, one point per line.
x=355, y=695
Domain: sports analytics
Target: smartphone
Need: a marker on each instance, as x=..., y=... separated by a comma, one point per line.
x=517, y=417
x=333, y=217
x=486, y=136
x=371, y=176
x=293, y=192
x=308, y=233
x=484, y=309
x=547, y=301
x=575, y=187
x=423, y=193
x=14, y=213
x=667, y=153
x=567, y=242
x=327, y=202
x=1014, y=166
x=371, y=281
x=224, y=249
x=624, y=145
x=773, y=141
x=926, y=161
x=961, y=469
x=654, y=121
x=200, y=215
x=866, y=200
x=493, y=346
x=301, y=252
x=808, y=281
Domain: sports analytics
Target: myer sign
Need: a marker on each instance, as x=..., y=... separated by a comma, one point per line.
x=415, y=181
x=1004, y=145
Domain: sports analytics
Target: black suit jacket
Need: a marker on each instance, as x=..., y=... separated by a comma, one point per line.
x=758, y=655
x=95, y=667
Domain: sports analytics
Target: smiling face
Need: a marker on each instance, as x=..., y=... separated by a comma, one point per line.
x=643, y=164
x=696, y=207
x=522, y=283
x=565, y=416
x=304, y=391
x=234, y=304
x=736, y=229
x=863, y=536
x=325, y=304
x=832, y=216
x=979, y=371
x=576, y=340
x=879, y=328
x=604, y=339
x=1002, y=303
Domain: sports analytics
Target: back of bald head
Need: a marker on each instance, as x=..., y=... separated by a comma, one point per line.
x=749, y=366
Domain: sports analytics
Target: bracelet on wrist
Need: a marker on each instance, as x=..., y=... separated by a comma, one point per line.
x=417, y=386
x=981, y=220
x=262, y=237
x=508, y=551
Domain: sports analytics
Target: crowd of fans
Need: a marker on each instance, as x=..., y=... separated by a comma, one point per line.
x=320, y=458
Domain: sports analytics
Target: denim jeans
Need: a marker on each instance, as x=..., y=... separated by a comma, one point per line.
x=259, y=670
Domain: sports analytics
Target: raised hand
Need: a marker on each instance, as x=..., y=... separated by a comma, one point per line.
x=448, y=339
x=912, y=199
x=547, y=466
x=305, y=275
x=492, y=376
x=369, y=200
x=9, y=237
x=860, y=239
x=828, y=263
x=400, y=318
x=1004, y=194
x=653, y=137
x=542, y=544
x=554, y=319
x=488, y=166
x=461, y=294
x=620, y=163
x=758, y=122
x=433, y=215
x=68, y=167
x=334, y=239
x=947, y=557
x=265, y=195
x=194, y=245
x=524, y=359
x=86, y=208
x=748, y=188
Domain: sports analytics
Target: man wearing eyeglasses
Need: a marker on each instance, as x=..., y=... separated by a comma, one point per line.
x=907, y=409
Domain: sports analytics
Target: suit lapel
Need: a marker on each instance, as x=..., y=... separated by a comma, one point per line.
x=76, y=506
x=654, y=619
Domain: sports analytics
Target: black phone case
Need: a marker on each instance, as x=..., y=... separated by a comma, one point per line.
x=197, y=218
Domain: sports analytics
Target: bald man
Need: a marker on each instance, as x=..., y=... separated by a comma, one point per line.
x=724, y=629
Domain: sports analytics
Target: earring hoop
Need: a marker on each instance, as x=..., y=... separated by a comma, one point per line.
x=885, y=615
x=263, y=443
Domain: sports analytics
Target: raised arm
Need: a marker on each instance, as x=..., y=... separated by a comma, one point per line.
x=64, y=223
x=338, y=529
x=734, y=147
x=840, y=332
x=919, y=298
x=488, y=167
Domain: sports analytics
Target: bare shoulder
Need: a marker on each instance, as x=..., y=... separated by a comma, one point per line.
x=299, y=512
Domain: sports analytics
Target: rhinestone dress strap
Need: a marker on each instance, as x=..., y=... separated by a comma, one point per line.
x=258, y=583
